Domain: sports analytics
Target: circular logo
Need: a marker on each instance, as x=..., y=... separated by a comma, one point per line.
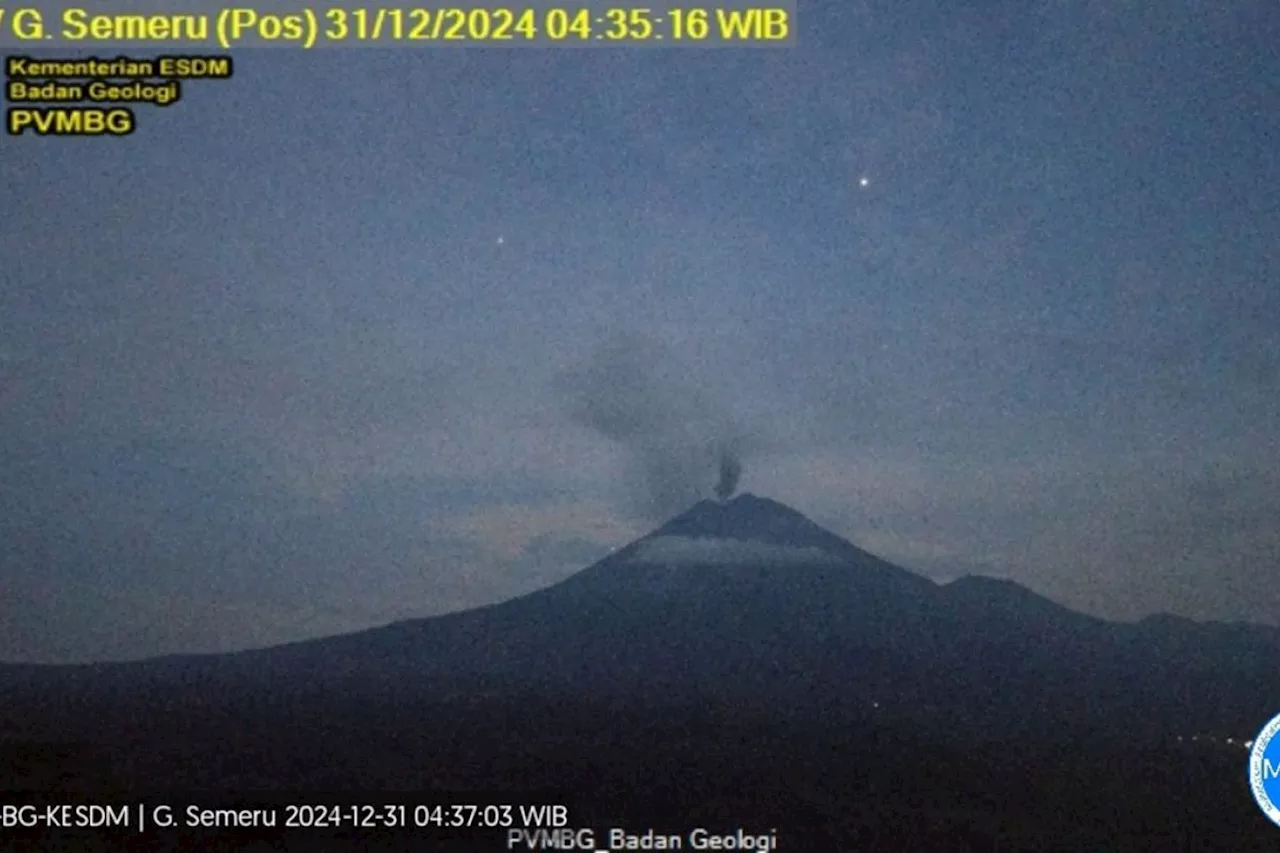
x=1264, y=770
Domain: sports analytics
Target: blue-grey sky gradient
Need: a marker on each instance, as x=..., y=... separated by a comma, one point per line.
x=292, y=358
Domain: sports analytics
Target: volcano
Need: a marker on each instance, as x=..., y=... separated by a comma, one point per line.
x=750, y=597
x=740, y=595
x=738, y=660
x=748, y=600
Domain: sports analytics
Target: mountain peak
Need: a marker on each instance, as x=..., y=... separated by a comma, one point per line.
x=730, y=543
x=744, y=530
x=746, y=517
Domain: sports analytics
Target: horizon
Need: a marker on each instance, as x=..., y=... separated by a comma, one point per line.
x=653, y=535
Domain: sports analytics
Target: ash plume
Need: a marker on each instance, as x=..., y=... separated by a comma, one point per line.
x=730, y=471
x=682, y=442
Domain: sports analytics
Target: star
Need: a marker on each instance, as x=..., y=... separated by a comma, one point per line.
x=864, y=181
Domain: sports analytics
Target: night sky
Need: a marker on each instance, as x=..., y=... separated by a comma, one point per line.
x=358, y=336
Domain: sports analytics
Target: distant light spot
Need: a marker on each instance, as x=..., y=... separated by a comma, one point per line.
x=864, y=181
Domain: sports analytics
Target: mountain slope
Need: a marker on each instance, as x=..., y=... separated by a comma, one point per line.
x=739, y=664
x=749, y=600
x=744, y=587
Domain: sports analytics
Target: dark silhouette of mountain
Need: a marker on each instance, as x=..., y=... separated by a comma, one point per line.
x=738, y=655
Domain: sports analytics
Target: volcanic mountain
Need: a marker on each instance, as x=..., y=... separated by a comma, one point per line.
x=740, y=660
x=747, y=600
x=727, y=593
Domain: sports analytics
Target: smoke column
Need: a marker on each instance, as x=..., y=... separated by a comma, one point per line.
x=730, y=471
x=681, y=441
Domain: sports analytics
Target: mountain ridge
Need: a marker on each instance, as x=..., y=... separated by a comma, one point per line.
x=704, y=618
x=655, y=559
x=867, y=700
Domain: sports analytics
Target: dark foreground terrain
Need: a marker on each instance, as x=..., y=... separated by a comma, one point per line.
x=739, y=668
x=852, y=784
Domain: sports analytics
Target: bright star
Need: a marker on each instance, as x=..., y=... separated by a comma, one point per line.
x=864, y=181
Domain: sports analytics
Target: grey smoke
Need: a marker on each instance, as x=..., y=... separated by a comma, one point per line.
x=730, y=471
x=683, y=442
